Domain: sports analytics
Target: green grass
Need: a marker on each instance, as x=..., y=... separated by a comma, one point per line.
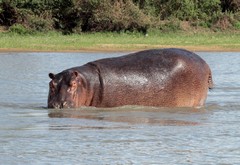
x=200, y=41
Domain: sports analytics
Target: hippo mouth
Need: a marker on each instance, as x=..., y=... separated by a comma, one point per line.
x=59, y=105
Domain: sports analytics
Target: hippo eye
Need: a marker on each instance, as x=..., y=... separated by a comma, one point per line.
x=73, y=84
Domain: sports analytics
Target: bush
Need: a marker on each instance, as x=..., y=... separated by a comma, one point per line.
x=76, y=16
x=224, y=21
x=40, y=24
x=66, y=15
x=19, y=29
x=26, y=14
x=172, y=25
x=187, y=10
x=237, y=25
x=230, y=5
x=8, y=14
x=119, y=16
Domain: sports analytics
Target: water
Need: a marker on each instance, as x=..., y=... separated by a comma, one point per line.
x=32, y=134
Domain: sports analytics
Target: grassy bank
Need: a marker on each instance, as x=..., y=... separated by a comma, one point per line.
x=199, y=41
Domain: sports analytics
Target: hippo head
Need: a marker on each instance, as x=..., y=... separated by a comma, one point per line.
x=66, y=90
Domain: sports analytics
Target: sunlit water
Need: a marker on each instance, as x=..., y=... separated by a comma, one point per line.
x=32, y=134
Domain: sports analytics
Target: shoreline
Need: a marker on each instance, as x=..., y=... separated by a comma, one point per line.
x=114, y=42
x=112, y=49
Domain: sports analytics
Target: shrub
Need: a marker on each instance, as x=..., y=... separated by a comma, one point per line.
x=237, y=25
x=66, y=15
x=76, y=16
x=8, y=14
x=184, y=10
x=19, y=29
x=119, y=16
x=40, y=24
x=27, y=13
x=172, y=25
x=224, y=21
x=230, y=5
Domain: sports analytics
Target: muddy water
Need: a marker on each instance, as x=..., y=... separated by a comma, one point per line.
x=32, y=134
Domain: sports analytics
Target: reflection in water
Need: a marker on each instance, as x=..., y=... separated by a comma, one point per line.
x=77, y=127
x=133, y=115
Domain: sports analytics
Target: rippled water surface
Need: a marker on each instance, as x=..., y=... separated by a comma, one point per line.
x=32, y=134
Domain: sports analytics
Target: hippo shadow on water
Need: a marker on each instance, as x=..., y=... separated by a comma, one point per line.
x=134, y=115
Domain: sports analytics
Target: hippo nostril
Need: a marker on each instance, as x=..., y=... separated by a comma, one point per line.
x=56, y=106
x=64, y=103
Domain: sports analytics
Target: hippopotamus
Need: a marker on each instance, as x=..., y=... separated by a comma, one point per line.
x=167, y=77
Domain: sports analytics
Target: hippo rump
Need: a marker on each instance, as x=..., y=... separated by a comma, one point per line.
x=158, y=77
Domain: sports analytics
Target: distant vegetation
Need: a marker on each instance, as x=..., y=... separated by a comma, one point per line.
x=78, y=16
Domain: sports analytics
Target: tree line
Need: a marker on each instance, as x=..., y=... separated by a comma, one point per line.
x=77, y=16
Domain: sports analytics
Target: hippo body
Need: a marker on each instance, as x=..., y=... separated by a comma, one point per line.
x=157, y=77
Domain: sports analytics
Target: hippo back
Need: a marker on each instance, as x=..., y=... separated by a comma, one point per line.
x=159, y=77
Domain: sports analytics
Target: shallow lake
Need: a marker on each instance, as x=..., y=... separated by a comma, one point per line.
x=32, y=134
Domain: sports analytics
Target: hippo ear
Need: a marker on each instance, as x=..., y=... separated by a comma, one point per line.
x=76, y=73
x=51, y=76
